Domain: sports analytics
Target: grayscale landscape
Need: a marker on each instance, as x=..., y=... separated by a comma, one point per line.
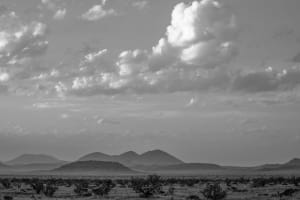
x=149, y=99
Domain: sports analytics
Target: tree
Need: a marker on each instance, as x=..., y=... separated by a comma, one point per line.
x=214, y=192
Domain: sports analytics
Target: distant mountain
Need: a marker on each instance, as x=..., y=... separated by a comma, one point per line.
x=97, y=156
x=155, y=157
x=94, y=167
x=3, y=166
x=293, y=164
x=181, y=168
x=36, y=167
x=158, y=157
x=26, y=159
x=128, y=158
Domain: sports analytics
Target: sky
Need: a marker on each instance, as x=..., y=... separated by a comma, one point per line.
x=207, y=81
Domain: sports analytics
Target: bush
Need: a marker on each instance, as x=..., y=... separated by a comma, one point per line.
x=6, y=183
x=104, y=188
x=38, y=187
x=50, y=190
x=288, y=192
x=193, y=197
x=80, y=189
x=259, y=182
x=214, y=192
x=147, y=187
x=8, y=198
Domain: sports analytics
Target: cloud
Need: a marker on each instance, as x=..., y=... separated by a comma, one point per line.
x=56, y=8
x=140, y=4
x=192, y=102
x=21, y=43
x=4, y=76
x=65, y=116
x=198, y=43
x=97, y=12
x=268, y=80
x=60, y=14
x=202, y=34
x=256, y=82
x=20, y=40
x=194, y=54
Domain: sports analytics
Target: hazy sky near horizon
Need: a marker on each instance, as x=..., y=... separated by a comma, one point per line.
x=207, y=81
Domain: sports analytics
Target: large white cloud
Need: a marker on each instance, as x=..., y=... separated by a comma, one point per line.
x=202, y=34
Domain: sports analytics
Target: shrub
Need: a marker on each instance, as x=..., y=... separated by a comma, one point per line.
x=193, y=197
x=258, y=182
x=6, y=183
x=50, y=190
x=8, y=198
x=171, y=190
x=79, y=190
x=147, y=187
x=214, y=192
x=38, y=187
x=104, y=188
x=288, y=192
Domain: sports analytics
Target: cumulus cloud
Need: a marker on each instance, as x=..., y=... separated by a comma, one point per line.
x=202, y=34
x=4, y=76
x=20, y=40
x=60, y=14
x=98, y=12
x=55, y=7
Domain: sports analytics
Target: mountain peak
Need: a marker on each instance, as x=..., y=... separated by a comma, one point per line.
x=294, y=161
x=96, y=156
x=159, y=157
x=156, y=151
x=129, y=153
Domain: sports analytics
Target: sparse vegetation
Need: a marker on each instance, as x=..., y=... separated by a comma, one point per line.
x=152, y=186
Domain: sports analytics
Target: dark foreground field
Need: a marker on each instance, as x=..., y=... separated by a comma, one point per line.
x=150, y=187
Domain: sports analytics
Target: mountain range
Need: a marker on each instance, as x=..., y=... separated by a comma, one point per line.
x=155, y=157
x=94, y=168
x=156, y=161
x=26, y=159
